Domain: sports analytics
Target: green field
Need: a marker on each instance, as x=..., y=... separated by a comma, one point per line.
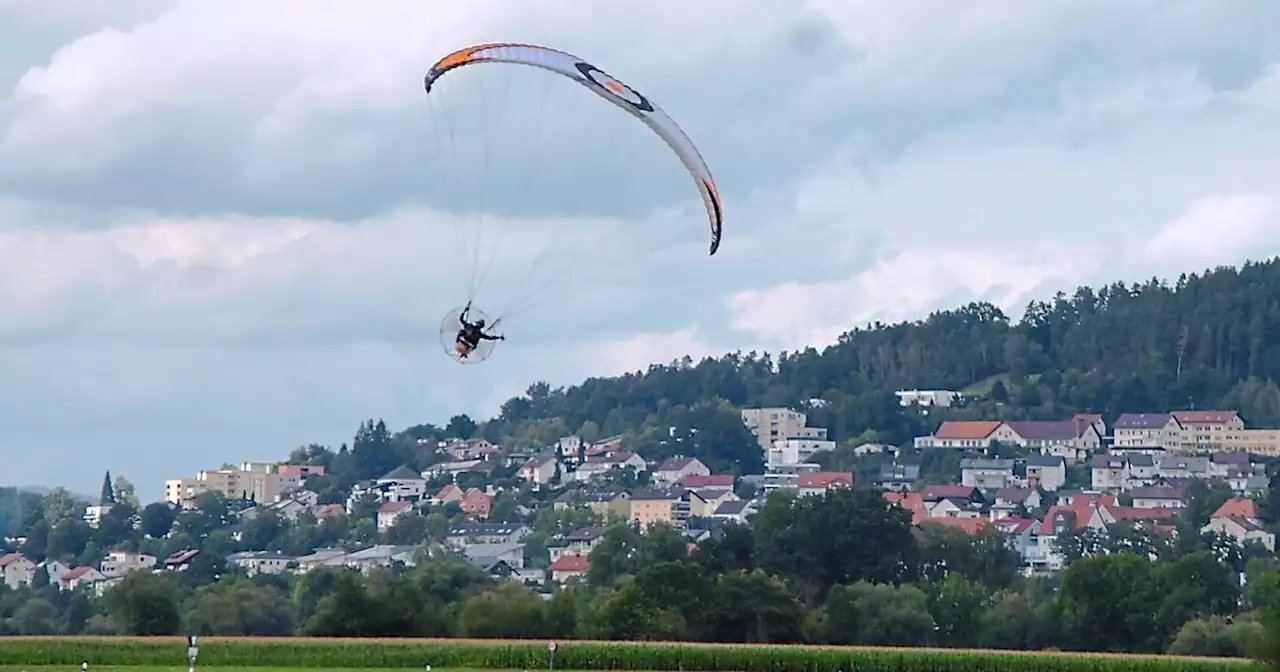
x=139, y=654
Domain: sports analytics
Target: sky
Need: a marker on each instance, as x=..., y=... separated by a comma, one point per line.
x=228, y=228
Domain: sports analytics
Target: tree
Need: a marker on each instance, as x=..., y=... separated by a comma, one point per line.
x=820, y=541
x=1109, y=603
x=143, y=603
x=876, y=615
x=157, y=520
x=239, y=608
x=108, y=495
x=461, y=426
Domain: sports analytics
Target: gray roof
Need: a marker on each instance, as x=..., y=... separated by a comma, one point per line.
x=1105, y=461
x=1045, y=461
x=490, y=550
x=587, y=533
x=596, y=495
x=402, y=473
x=1193, y=464
x=900, y=472
x=1230, y=457
x=1141, y=460
x=731, y=508
x=1142, y=421
x=1155, y=492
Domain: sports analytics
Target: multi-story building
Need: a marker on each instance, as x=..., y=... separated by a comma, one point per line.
x=771, y=424
x=939, y=398
x=260, y=481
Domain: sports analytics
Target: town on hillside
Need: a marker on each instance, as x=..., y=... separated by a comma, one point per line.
x=1032, y=481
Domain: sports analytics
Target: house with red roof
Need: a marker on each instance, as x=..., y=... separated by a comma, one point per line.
x=911, y=501
x=390, y=512
x=1238, y=518
x=570, y=568
x=818, y=482
x=81, y=576
x=476, y=503
x=17, y=570
x=967, y=434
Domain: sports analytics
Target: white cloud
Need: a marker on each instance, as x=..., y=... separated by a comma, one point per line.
x=218, y=222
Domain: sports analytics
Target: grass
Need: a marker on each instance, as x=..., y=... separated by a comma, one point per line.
x=201, y=668
x=982, y=388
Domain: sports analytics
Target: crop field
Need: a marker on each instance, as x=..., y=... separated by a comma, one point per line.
x=218, y=654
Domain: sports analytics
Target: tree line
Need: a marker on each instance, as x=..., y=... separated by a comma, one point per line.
x=845, y=567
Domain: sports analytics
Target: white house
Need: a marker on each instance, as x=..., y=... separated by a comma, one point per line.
x=939, y=398
x=1047, y=472
x=1109, y=472
x=119, y=563
x=390, y=512
x=1243, y=530
x=1147, y=429
x=1156, y=497
x=81, y=576
x=510, y=553
x=539, y=470
x=17, y=570
x=261, y=562
x=675, y=469
x=986, y=473
x=402, y=484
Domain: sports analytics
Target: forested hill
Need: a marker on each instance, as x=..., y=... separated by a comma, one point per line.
x=1204, y=340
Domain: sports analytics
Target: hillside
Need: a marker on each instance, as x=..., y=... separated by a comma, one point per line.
x=1207, y=339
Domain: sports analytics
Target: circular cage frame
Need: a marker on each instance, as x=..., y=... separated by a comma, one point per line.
x=452, y=324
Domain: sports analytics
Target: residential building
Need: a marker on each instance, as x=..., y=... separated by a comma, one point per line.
x=17, y=570
x=734, y=511
x=1047, y=472
x=708, y=500
x=986, y=473
x=1094, y=419
x=771, y=424
x=600, y=465
x=580, y=542
x=512, y=553
x=570, y=568
x=911, y=501
x=604, y=502
x=460, y=536
x=93, y=514
x=939, y=398
x=379, y=557
x=699, y=481
x=659, y=505
x=677, y=468
x=1009, y=500
x=1071, y=440
x=55, y=570
x=477, y=504
x=390, y=512
x=818, y=482
x=449, y=493
x=180, y=560
x=541, y=469
x=262, y=562
x=119, y=563
x=1182, y=466
x=1156, y=497
x=970, y=434
x=1147, y=429
x=785, y=476
x=1243, y=530
x=257, y=481
x=80, y=577
x=402, y=484
x=898, y=477
x=1109, y=472
x=796, y=451
x=455, y=469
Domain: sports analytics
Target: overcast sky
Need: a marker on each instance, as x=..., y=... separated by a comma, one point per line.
x=229, y=227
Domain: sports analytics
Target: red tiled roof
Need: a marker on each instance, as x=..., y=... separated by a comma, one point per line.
x=966, y=429
x=911, y=501
x=6, y=560
x=448, y=490
x=1205, y=417
x=76, y=573
x=1242, y=507
x=571, y=563
x=394, y=507
x=824, y=479
x=1133, y=513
